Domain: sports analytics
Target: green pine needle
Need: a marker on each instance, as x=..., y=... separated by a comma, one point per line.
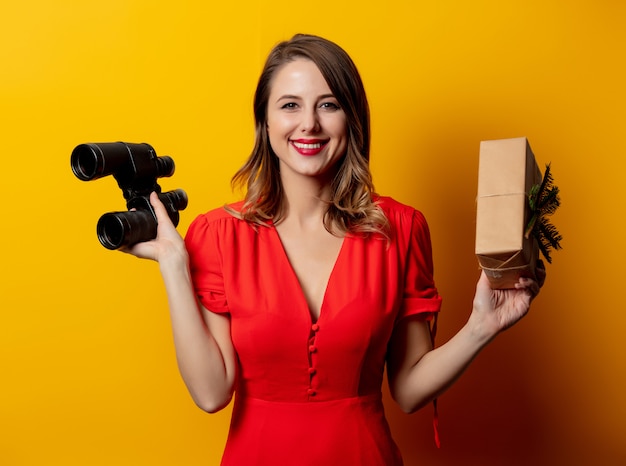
x=543, y=200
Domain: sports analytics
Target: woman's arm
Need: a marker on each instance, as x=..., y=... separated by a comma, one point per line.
x=418, y=373
x=204, y=350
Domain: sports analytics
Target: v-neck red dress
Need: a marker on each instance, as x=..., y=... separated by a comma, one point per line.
x=309, y=393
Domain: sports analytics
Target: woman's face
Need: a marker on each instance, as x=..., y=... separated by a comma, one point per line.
x=306, y=127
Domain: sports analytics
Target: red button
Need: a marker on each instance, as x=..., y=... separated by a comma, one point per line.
x=312, y=349
x=315, y=327
x=310, y=392
x=312, y=370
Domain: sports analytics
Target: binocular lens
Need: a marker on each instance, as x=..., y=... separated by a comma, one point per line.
x=117, y=229
x=86, y=162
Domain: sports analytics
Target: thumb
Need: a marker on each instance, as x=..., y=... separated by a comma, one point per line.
x=159, y=208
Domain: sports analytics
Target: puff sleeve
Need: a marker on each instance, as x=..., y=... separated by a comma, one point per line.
x=420, y=294
x=205, y=263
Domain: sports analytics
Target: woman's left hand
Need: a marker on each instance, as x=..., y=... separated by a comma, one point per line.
x=496, y=310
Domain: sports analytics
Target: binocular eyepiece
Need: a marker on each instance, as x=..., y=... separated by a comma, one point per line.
x=136, y=168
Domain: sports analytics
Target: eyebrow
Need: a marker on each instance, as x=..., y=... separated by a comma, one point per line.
x=295, y=97
x=287, y=97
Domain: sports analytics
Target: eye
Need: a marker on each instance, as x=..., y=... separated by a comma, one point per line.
x=331, y=106
x=289, y=106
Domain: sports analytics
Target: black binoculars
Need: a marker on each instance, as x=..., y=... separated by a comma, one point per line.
x=136, y=168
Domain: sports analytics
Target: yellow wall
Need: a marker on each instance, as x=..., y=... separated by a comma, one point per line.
x=88, y=375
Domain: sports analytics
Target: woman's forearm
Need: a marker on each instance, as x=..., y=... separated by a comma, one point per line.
x=438, y=369
x=425, y=373
x=418, y=374
x=203, y=349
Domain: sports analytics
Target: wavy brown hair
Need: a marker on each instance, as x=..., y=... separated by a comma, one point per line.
x=352, y=207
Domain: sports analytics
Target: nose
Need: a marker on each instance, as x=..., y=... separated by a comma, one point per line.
x=310, y=121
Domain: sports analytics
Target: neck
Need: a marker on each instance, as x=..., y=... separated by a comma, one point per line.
x=305, y=200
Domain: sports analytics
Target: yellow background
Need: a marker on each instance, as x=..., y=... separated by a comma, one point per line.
x=88, y=375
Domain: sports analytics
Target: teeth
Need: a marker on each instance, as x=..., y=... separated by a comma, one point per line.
x=299, y=145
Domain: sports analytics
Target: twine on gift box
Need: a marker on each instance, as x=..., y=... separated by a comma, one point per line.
x=496, y=272
x=482, y=196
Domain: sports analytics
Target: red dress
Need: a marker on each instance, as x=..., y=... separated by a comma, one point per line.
x=309, y=393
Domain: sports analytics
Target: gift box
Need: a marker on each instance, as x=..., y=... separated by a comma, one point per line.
x=507, y=171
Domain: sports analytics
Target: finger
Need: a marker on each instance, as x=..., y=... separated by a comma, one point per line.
x=159, y=208
x=155, y=200
x=528, y=285
x=483, y=280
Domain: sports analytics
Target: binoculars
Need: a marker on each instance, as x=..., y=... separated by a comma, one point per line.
x=136, y=168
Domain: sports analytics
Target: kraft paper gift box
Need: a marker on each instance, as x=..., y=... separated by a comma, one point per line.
x=507, y=170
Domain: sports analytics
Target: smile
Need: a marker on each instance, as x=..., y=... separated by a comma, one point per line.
x=300, y=145
x=308, y=147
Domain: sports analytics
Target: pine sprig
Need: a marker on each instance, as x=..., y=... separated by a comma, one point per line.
x=543, y=201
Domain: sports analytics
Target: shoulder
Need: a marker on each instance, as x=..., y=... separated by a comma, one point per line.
x=407, y=224
x=220, y=213
x=389, y=204
x=397, y=212
x=217, y=222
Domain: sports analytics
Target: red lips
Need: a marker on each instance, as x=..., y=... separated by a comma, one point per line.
x=308, y=147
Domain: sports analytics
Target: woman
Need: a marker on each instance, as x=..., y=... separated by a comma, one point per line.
x=297, y=297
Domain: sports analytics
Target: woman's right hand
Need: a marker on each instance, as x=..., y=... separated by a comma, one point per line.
x=167, y=242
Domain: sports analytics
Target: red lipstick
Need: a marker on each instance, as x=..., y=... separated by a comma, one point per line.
x=308, y=147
